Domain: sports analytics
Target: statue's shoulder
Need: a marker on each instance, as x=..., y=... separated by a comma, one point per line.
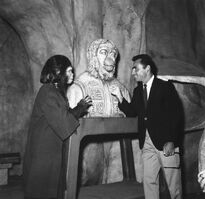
x=83, y=83
x=122, y=87
x=84, y=77
x=78, y=84
x=75, y=93
x=88, y=81
x=119, y=84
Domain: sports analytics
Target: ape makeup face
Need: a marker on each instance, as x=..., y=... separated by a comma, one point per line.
x=70, y=75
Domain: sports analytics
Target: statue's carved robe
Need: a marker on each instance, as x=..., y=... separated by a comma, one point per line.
x=104, y=104
x=101, y=161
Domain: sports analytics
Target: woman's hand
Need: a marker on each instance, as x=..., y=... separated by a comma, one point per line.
x=82, y=107
x=87, y=100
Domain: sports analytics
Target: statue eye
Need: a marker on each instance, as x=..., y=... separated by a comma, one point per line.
x=114, y=54
x=134, y=69
x=103, y=52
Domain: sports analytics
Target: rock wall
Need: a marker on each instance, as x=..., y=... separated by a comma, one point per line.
x=174, y=38
x=16, y=91
x=31, y=31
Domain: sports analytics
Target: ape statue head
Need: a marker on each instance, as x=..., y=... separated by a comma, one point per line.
x=102, y=55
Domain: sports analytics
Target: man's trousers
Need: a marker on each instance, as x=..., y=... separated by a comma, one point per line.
x=153, y=160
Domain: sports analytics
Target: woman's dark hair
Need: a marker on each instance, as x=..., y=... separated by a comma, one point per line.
x=54, y=69
x=146, y=60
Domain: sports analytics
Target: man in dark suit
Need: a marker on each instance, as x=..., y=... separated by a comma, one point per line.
x=156, y=104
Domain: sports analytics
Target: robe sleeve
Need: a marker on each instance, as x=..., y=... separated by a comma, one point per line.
x=56, y=112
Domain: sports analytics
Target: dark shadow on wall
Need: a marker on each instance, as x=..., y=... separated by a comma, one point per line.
x=16, y=92
x=192, y=97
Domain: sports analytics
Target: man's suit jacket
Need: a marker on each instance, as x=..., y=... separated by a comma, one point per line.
x=163, y=117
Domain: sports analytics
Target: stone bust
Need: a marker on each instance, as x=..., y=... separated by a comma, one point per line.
x=96, y=82
x=98, y=79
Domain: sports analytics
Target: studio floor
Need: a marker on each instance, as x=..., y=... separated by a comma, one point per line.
x=14, y=190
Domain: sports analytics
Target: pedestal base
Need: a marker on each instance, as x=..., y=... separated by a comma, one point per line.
x=4, y=173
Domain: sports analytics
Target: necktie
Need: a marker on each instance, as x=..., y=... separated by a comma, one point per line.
x=145, y=95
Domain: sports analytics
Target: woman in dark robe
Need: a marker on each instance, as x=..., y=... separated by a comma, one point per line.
x=52, y=122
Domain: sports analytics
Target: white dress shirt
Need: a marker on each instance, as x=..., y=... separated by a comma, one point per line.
x=149, y=85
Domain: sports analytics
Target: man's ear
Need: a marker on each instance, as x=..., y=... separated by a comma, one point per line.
x=148, y=68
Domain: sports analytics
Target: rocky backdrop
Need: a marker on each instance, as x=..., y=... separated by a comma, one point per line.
x=172, y=32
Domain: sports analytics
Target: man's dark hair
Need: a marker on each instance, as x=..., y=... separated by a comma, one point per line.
x=54, y=69
x=146, y=60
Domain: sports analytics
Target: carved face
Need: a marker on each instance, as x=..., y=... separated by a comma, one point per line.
x=102, y=56
x=106, y=56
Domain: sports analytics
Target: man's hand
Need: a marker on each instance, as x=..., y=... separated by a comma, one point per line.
x=168, y=149
x=201, y=179
x=115, y=91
